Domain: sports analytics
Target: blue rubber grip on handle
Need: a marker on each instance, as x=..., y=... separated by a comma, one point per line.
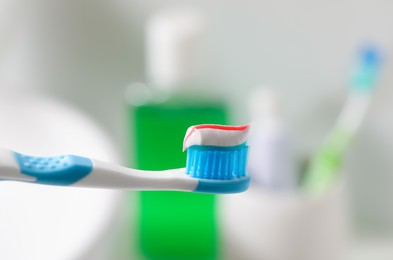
x=61, y=170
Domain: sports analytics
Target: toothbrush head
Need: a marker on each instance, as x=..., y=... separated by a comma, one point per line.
x=217, y=157
x=367, y=70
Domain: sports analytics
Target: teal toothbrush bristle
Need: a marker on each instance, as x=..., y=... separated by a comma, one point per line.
x=367, y=70
x=217, y=163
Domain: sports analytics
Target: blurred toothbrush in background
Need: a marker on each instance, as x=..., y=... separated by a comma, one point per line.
x=325, y=165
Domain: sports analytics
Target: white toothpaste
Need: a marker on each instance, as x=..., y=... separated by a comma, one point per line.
x=215, y=135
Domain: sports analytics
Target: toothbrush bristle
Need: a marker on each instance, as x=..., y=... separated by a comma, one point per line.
x=370, y=56
x=217, y=163
x=367, y=69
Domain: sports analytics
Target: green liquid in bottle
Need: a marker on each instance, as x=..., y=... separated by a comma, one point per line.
x=174, y=225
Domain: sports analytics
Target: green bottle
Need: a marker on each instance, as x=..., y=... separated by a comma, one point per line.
x=172, y=225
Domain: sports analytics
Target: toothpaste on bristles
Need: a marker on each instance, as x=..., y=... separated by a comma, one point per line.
x=216, y=151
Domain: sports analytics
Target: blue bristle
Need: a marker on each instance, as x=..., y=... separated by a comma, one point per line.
x=370, y=56
x=216, y=162
x=367, y=70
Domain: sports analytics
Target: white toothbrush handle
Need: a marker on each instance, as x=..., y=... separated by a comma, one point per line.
x=71, y=170
x=9, y=167
x=107, y=175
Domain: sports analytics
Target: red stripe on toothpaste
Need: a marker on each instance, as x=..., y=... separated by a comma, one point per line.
x=215, y=135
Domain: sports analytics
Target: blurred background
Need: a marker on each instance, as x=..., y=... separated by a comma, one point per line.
x=76, y=63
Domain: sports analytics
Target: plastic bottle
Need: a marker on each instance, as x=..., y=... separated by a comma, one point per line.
x=270, y=161
x=173, y=225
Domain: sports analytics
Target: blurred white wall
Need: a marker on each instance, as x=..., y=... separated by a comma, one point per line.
x=88, y=51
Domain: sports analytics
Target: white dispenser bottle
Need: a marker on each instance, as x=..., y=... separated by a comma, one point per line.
x=270, y=162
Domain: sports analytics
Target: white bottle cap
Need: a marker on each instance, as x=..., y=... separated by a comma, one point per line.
x=172, y=41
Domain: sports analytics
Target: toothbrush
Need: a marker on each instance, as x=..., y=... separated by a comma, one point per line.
x=216, y=163
x=325, y=165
